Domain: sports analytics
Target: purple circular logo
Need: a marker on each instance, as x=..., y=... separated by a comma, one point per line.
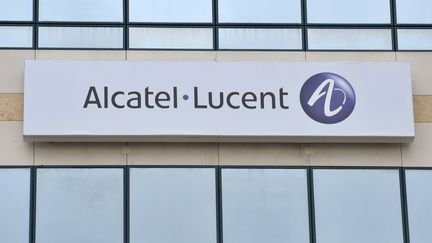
x=327, y=98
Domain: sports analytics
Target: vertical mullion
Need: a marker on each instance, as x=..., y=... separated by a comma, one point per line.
x=125, y=24
x=393, y=20
x=126, y=198
x=304, y=23
x=32, y=231
x=35, y=24
x=404, y=205
x=219, y=214
x=215, y=19
x=311, y=202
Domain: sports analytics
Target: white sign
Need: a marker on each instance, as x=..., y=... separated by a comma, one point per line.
x=218, y=101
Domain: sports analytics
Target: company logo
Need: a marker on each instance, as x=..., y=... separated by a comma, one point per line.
x=327, y=98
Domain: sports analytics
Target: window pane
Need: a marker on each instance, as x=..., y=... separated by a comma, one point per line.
x=414, y=11
x=259, y=11
x=170, y=11
x=80, y=37
x=415, y=39
x=265, y=205
x=79, y=205
x=14, y=205
x=172, y=205
x=260, y=38
x=348, y=11
x=357, y=206
x=171, y=38
x=16, y=10
x=16, y=36
x=419, y=197
x=349, y=39
x=81, y=10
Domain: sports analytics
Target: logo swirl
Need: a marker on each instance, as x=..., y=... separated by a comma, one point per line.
x=327, y=98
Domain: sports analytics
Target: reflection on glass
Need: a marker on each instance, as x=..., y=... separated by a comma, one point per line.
x=259, y=11
x=348, y=11
x=265, y=205
x=357, y=206
x=419, y=200
x=16, y=10
x=14, y=205
x=16, y=36
x=414, y=11
x=79, y=205
x=191, y=11
x=414, y=39
x=81, y=10
x=349, y=39
x=172, y=205
x=171, y=38
x=283, y=39
x=80, y=37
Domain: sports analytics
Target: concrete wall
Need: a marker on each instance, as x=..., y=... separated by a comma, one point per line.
x=13, y=151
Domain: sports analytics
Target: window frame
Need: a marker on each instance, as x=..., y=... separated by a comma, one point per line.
x=215, y=25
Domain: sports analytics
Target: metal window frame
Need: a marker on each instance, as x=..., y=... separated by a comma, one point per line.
x=218, y=190
x=304, y=26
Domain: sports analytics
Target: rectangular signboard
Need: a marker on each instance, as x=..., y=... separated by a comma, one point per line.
x=218, y=101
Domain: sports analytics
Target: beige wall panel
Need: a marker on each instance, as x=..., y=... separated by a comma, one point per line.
x=173, y=154
x=263, y=154
x=419, y=153
x=356, y=155
x=259, y=56
x=171, y=56
x=80, y=55
x=350, y=56
x=11, y=107
x=423, y=109
x=13, y=150
x=79, y=154
x=421, y=71
x=12, y=69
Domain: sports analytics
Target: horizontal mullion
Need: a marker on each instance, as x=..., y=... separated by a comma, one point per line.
x=17, y=23
x=81, y=48
x=350, y=50
x=79, y=23
x=349, y=26
x=414, y=26
x=173, y=24
x=260, y=25
x=228, y=25
x=169, y=49
x=169, y=25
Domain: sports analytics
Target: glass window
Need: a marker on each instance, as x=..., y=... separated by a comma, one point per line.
x=348, y=11
x=171, y=38
x=14, y=205
x=259, y=11
x=349, y=39
x=81, y=10
x=170, y=11
x=265, y=205
x=16, y=36
x=357, y=206
x=283, y=39
x=172, y=205
x=414, y=11
x=80, y=37
x=415, y=39
x=16, y=10
x=419, y=200
x=79, y=205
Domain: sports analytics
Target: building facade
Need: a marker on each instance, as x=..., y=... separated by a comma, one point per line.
x=212, y=192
